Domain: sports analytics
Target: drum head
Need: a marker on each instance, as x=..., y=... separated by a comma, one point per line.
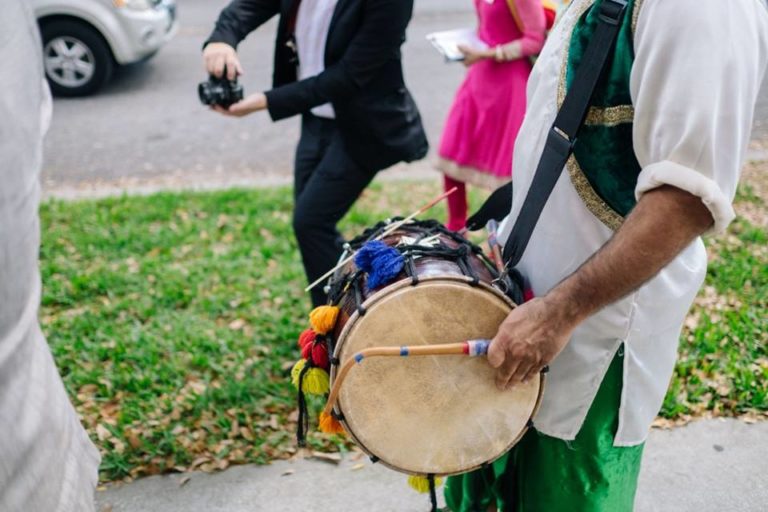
x=431, y=414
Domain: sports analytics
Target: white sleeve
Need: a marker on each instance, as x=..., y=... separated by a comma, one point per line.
x=698, y=69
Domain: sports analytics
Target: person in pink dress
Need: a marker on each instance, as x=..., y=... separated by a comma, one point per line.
x=480, y=132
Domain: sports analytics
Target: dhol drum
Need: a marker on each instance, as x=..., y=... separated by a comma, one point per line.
x=432, y=415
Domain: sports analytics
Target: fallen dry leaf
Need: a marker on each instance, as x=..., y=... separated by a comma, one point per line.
x=333, y=458
x=198, y=462
x=236, y=325
x=102, y=433
x=246, y=434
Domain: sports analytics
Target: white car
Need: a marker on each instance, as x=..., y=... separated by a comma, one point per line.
x=83, y=40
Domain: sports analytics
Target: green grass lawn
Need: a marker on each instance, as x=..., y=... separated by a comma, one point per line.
x=174, y=317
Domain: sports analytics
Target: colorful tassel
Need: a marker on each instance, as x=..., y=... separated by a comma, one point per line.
x=381, y=262
x=421, y=483
x=330, y=425
x=323, y=318
x=296, y=371
x=308, y=336
x=316, y=380
x=318, y=352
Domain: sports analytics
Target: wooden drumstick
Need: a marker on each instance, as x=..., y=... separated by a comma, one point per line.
x=388, y=231
x=469, y=348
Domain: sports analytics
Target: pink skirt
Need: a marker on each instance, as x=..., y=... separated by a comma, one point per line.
x=486, y=115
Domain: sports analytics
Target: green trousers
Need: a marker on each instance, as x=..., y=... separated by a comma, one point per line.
x=546, y=474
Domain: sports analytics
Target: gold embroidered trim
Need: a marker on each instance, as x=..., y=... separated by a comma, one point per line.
x=610, y=116
x=592, y=201
x=576, y=14
x=470, y=175
x=636, y=15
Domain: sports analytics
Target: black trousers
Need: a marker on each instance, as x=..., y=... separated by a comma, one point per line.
x=327, y=183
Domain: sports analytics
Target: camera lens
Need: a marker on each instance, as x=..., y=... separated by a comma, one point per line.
x=236, y=91
x=204, y=92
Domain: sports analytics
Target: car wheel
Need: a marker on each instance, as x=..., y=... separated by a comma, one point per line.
x=77, y=59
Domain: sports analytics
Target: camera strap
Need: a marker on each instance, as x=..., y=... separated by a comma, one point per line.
x=560, y=140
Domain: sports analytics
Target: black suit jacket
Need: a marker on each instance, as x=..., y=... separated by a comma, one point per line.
x=363, y=76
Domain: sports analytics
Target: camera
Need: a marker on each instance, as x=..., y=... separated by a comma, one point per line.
x=220, y=91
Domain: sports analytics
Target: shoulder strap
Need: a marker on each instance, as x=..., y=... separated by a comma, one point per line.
x=560, y=141
x=562, y=135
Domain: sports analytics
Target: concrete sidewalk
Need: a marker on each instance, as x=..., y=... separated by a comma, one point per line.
x=710, y=465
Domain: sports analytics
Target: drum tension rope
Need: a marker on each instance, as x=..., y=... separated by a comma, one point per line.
x=302, y=424
x=432, y=492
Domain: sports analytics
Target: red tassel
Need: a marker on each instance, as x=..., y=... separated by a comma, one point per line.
x=306, y=337
x=549, y=18
x=319, y=354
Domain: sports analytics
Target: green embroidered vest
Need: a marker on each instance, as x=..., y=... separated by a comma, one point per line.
x=603, y=167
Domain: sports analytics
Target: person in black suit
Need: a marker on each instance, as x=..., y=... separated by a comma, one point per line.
x=338, y=64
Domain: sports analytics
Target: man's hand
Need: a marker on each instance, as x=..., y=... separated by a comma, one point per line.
x=528, y=339
x=252, y=103
x=220, y=56
x=472, y=55
x=663, y=223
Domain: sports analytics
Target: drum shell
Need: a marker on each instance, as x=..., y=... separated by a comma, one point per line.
x=428, y=270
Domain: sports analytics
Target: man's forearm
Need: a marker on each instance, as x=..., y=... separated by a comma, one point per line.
x=664, y=222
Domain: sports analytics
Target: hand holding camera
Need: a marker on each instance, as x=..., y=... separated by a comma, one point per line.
x=222, y=92
x=221, y=60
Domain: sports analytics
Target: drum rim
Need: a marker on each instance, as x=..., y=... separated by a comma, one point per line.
x=378, y=296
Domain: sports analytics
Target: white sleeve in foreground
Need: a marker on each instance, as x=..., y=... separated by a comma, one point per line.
x=698, y=69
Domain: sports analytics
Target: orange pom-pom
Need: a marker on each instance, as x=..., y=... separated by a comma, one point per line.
x=323, y=318
x=306, y=337
x=330, y=425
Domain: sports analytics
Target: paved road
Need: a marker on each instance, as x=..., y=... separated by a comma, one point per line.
x=709, y=466
x=148, y=123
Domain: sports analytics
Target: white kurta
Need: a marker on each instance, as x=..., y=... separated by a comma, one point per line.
x=694, y=84
x=47, y=462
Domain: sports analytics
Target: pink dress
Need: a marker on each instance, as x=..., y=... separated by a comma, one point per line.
x=480, y=132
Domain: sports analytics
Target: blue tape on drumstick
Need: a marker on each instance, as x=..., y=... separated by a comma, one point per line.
x=478, y=347
x=403, y=351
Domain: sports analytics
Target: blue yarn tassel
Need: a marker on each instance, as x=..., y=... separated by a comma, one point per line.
x=381, y=262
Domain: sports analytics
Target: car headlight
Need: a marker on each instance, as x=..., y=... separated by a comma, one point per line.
x=135, y=5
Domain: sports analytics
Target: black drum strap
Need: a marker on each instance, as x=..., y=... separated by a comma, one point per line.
x=560, y=141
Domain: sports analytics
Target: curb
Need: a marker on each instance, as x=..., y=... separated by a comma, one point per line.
x=422, y=170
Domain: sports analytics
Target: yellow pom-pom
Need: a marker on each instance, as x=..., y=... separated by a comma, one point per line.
x=421, y=483
x=330, y=425
x=316, y=380
x=296, y=371
x=323, y=318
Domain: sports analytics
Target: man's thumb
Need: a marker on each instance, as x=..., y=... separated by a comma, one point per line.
x=495, y=354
